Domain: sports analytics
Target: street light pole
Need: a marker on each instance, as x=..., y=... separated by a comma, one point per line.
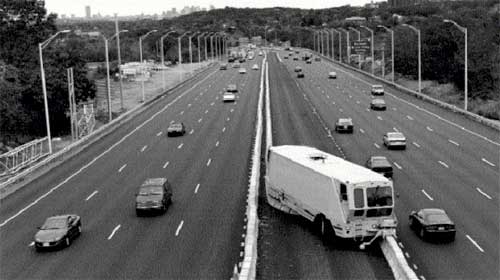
x=141, y=38
x=117, y=31
x=392, y=50
x=359, y=38
x=340, y=47
x=372, y=47
x=348, y=49
x=41, y=46
x=466, y=88
x=163, y=56
x=107, y=71
x=419, y=56
x=199, y=51
x=327, y=47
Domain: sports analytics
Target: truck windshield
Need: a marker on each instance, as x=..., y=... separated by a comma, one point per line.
x=379, y=196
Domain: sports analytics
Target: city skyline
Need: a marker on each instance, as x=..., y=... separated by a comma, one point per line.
x=136, y=7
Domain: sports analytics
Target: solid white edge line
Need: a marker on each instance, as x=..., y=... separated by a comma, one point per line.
x=179, y=228
x=428, y=196
x=475, y=243
x=91, y=195
x=105, y=152
x=114, y=231
x=483, y=193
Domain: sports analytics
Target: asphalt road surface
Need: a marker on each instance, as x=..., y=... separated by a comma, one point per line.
x=450, y=162
x=200, y=235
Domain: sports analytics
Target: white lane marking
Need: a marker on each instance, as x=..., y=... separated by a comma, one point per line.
x=394, y=109
x=380, y=118
x=429, y=129
x=341, y=110
x=206, y=111
x=368, y=110
x=223, y=129
x=398, y=166
x=422, y=277
x=121, y=168
x=196, y=189
x=361, y=130
x=415, y=267
x=199, y=120
x=409, y=117
x=227, y=119
x=428, y=196
x=189, y=105
x=416, y=144
x=172, y=121
x=407, y=255
x=182, y=113
x=165, y=165
x=395, y=129
x=453, y=142
x=376, y=145
x=486, y=161
x=333, y=102
x=91, y=195
x=483, y=193
x=106, y=151
x=144, y=148
x=232, y=110
x=217, y=144
x=114, y=231
x=31, y=244
x=443, y=164
x=159, y=133
x=475, y=243
x=357, y=102
x=401, y=245
x=179, y=228
x=180, y=146
x=191, y=132
x=209, y=161
x=212, y=104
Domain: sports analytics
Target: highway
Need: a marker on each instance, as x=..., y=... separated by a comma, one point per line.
x=450, y=162
x=200, y=235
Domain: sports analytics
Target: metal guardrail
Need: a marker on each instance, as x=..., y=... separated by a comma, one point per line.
x=22, y=156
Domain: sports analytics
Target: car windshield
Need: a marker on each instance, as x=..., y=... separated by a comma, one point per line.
x=377, y=87
x=380, y=162
x=176, y=125
x=344, y=122
x=437, y=218
x=395, y=135
x=55, y=223
x=378, y=101
x=151, y=190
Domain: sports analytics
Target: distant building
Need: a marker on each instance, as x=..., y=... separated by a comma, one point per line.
x=355, y=20
x=87, y=12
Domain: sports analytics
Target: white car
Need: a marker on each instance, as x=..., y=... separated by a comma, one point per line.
x=332, y=75
x=229, y=97
x=377, y=90
x=261, y=53
x=394, y=140
x=243, y=71
x=255, y=67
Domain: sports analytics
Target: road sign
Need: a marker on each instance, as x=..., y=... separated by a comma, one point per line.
x=360, y=47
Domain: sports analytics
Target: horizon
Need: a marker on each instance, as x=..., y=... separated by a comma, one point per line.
x=137, y=7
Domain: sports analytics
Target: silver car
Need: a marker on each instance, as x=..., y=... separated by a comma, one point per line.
x=394, y=140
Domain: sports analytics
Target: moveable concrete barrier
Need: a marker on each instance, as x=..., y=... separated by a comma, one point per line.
x=396, y=259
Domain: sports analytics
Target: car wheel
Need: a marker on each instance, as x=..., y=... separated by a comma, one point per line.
x=422, y=233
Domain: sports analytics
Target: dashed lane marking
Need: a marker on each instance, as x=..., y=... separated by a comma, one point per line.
x=179, y=228
x=453, y=142
x=380, y=118
x=114, y=231
x=159, y=133
x=416, y=144
x=196, y=189
x=180, y=146
x=443, y=164
x=121, y=168
x=361, y=130
x=217, y=144
x=475, y=243
x=409, y=117
x=91, y=195
x=182, y=113
x=165, y=165
x=429, y=129
x=428, y=196
x=376, y=145
x=144, y=148
x=223, y=129
x=398, y=166
x=199, y=120
x=191, y=132
x=395, y=129
x=209, y=161
x=487, y=162
x=483, y=193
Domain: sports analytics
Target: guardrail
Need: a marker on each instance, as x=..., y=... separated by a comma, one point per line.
x=424, y=97
x=59, y=157
x=22, y=156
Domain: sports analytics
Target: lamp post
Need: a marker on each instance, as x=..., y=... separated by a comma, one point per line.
x=327, y=47
x=41, y=46
x=333, y=44
x=340, y=47
x=359, y=38
x=141, y=38
x=463, y=30
x=117, y=31
x=199, y=53
x=372, y=47
x=419, y=56
x=163, y=55
x=265, y=33
x=314, y=40
x=107, y=70
x=392, y=51
x=180, y=46
x=348, y=50
x=212, y=46
x=206, y=49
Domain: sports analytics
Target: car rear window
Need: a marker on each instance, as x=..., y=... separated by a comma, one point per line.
x=437, y=218
x=151, y=190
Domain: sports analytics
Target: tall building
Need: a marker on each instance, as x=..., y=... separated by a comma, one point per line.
x=87, y=12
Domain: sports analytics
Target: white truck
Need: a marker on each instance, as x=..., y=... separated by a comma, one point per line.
x=342, y=199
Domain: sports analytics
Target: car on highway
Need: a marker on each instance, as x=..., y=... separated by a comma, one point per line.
x=300, y=75
x=377, y=90
x=154, y=195
x=176, y=129
x=236, y=65
x=394, y=140
x=332, y=75
x=58, y=231
x=297, y=69
x=232, y=88
x=223, y=66
x=317, y=58
x=380, y=164
x=242, y=71
x=285, y=57
x=295, y=58
x=308, y=61
x=228, y=97
x=378, y=104
x=432, y=223
x=344, y=125
x=297, y=51
x=261, y=53
x=290, y=53
x=255, y=67
x=242, y=59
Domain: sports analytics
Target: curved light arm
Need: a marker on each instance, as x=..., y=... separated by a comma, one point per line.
x=355, y=30
x=367, y=28
x=116, y=34
x=185, y=33
x=168, y=33
x=385, y=28
x=145, y=35
x=411, y=27
x=46, y=42
x=461, y=28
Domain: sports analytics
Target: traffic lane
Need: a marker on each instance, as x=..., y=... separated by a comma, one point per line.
x=398, y=180
x=476, y=145
x=294, y=123
x=60, y=204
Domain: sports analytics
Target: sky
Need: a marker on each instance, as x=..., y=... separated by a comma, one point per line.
x=136, y=7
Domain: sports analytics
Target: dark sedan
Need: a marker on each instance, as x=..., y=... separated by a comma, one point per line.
x=344, y=125
x=176, y=129
x=58, y=231
x=300, y=75
x=381, y=165
x=378, y=104
x=432, y=222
